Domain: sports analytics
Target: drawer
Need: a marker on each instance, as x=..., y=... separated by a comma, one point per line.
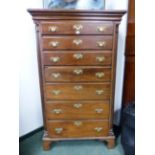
x=76, y=42
x=77, y=58
x=77, y=128
x=77, y=109
x=77, y=27
x=76, y=74
x=78, y=91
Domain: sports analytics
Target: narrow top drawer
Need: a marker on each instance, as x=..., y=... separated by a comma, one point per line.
x=77, y=27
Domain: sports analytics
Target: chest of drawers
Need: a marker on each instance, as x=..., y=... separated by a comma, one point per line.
x=77, y=62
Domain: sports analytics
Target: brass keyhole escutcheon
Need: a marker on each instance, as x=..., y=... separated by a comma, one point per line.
x=77, y=41
x=77, y=123
x=78, y=56
x=77, y=28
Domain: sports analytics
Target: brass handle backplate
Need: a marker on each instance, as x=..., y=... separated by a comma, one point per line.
x=55, y=59
x=99, y=74
x=78, y=87
x=56, y=75
x=56, y=92
x=77, y=105
x=78, y=71
x=101, y=43
x=77, y=28
x=100, y=58
x=58, y=130
x=99, y=110
x=77, y=123
x=101, y=28
x=57, y=111
x=52, y=28
x=98, y=129
x=99, y=92
x=78, y=56
x=77, y=41
x=54, y=43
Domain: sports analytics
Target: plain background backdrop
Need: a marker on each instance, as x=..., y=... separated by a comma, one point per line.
x=30, y=113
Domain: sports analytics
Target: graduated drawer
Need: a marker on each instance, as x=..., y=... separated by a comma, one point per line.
x=77, y=58
x=77, y=91
x=76, y=42
x=77, y=74
x=77, y=27
x=77, y=128
x=77, y=109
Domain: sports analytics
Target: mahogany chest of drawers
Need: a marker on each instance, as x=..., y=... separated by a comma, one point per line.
x=77, y=62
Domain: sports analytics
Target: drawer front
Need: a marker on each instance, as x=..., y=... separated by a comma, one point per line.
x=77, y=27
x=78, y=91
x=77, y=58
x=77, y=42
x=77, y=128
x=77, y=109
x=74, y=74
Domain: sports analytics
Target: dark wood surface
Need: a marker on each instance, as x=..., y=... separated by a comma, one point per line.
x=77, y=109
x=67, y=58
x=88, y=27
x=83, y=42
x=75, y=91
x=129, y=78
x=78, y=128
x=77, y=104
x=78, y=74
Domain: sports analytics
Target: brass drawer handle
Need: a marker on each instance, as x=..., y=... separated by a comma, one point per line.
x=77, y=28
x=57, y=111
x=99, y=92
x=101, y=28
x=99, y=74
x=56, y=92
x=98, y=129
x=78, y=71
x=55, y=59
x=77, y=41
x=99, y=111
x=56, y=75
x=100, y=59
x=54, y=43
x=77, y=105
x=58, y=130
x=101, y=43
x=77, y=123
x=78, y=87
x=78, y=56
x=52, y=28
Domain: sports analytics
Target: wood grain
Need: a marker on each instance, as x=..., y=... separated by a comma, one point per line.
x=78, y=109
x=88, y=27
x=66, y=42
x=68, y=58
x=87, y=91
x=86, y=129
x=77, y=74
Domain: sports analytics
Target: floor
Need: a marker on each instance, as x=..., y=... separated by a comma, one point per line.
x=33, y=146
